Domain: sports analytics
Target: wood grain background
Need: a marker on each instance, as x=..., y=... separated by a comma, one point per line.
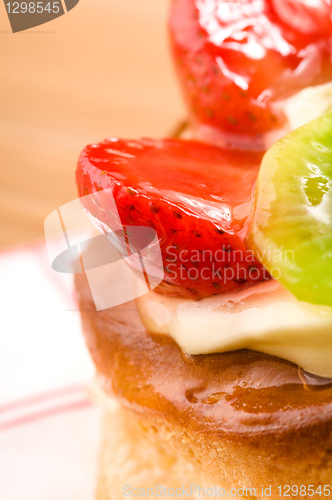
x=102, y=70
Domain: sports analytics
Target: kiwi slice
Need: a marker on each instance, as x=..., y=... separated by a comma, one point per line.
x=291, y=223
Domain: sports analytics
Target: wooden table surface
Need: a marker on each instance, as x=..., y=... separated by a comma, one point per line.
x=101, y=70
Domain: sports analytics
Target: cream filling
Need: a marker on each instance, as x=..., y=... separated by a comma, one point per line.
x=308, y=104
x=301, y=108
x=263, y=317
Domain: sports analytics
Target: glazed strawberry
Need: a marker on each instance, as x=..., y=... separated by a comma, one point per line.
x=196, y=197
x=308, y=18
x=237, y=58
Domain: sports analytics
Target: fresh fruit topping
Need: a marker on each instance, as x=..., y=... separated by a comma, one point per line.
x=291, y=224
x=237, y=58
x=195, y=196
x=264, y=317
x=307, y=17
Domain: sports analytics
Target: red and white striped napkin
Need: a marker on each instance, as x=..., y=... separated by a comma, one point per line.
x=48, y=426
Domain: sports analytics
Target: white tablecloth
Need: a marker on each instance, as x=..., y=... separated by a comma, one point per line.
x=48, y=427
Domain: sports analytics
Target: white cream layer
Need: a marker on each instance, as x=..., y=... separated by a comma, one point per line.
x=308, y=104
x=301, y=108
x=263, y=317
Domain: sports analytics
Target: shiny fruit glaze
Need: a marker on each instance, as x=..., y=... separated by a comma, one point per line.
x=237, y=59
x=197, y=198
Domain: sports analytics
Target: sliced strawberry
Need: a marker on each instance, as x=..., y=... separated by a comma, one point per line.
x=306, y=17
x=197, y=198
x=236, y=58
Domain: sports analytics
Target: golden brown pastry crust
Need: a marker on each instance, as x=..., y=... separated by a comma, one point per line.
x=131, y=455
x=242, y=415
